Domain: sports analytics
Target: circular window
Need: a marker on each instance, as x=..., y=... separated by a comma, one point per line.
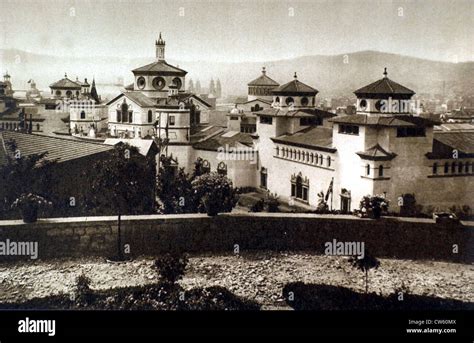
x=379, y=105
x=363, y=104
x=177, y=82
x=304, y=101
x=68, y=94
x=141, y=82
x=58, y=93
x=289, y=101
x=159, y=83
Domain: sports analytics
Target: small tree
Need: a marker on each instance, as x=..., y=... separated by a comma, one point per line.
x=124, y=183
x=213, y=193
x=174, y=189
x=23, y=174
x=171, y=267
x=374, y=205
x=365, y=264
x=322, y=203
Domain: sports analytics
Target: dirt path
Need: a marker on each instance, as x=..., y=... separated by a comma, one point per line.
x=260, y=276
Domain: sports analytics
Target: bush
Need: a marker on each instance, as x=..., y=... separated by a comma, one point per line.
x=214, y=194
x=171, y=267
x=258, y=206
x=271, y=203
x=373, y=206
x=82, y=292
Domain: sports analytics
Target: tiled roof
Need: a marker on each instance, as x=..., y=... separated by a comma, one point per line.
x=297, y=113
x=445, y=142
x=376, y=153
x=318, y=138
x=384, y=86
x=184, y=96
x=263, y=80
x=245, y=101
x=393, y=120
x=295, y=87
x=66, y=83
x=238, y=139
x=160, y=67
x=59, y=149
x=138, y=97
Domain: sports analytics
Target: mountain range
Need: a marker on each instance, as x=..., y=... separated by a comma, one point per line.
x=333, y=76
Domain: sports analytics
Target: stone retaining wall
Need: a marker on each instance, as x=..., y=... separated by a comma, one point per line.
x=156, y=234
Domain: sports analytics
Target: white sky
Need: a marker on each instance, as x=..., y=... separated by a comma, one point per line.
x=237, y=31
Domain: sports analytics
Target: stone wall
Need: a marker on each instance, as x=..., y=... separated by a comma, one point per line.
x=156, y=234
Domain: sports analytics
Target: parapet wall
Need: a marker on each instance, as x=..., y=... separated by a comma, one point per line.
x=155, y=234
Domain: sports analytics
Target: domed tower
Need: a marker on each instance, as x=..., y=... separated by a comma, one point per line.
x=159, y=79
x=261, y=87
x=294, y=94
x=8, y=84
x=384, y=97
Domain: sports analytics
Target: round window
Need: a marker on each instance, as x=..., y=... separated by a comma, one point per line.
x=304, y=101
x=141, y=82
x=289, y=101
x=379, y=105
x=177, y=82
x=159, y=83
x=363, y=104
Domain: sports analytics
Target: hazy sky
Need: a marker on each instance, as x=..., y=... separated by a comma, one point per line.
x=225, y=30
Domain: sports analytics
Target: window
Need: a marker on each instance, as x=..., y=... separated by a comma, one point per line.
x=171, y=120
x=378, y=105
x=58, y=93
x=304, y=101
x=380, y=171
x=312, y=158
x=263, y=178
x=206, y=166
x=435, y=168
x=453, y=167
x=277, y=151
x=83, y=115
x=141, y=82
x=466, y=167
x=299, y=187
x=37, y=127
x=411, y=132
x=130, y=116
x=234, y=118
x=363, y=104
x=289, y=101
x=150, y=116
x=222, y=168
x=460, y=167
x=446, y=168
x=328, y=160
x=367, y=169
x=68, y=94
x=124, y=109
x=277, y=99
x=316, y=159
x=321, y=159
x=119, y=116
x=308, y=121
x=349, y=129
x=158, y=83
x=266, y=120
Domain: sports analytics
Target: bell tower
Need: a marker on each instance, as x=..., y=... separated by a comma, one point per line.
x=160, y=49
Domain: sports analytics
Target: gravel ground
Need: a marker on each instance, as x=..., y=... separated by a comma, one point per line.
x=260, y=276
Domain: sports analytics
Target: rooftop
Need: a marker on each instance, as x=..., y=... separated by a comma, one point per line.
x=376, y=153
x=59, y=149
x=263, y=80
x=318, y=138
x=384, y=86
x=160, y=68
x=392, y=120
x=66, y=83
x=295, y=87
x=233, y=139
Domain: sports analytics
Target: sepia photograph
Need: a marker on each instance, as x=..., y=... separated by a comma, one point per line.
x=181, y=167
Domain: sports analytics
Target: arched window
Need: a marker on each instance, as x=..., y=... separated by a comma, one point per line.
x=277, y=151
x=277, y=99
x=124, y=109
x=316, y=158
x=435, y=168
x=446, y=168
x=367, y=169
x=150, y=116
x=58, y=93
x=312, y=158
x=380, y=171
x=304, y=101
x=289, y=101
x=466, y=167
x=299, y=155
x=68, y=94
x=222, y=168
x=321, y=159
x=263, y=177
x=37, y=127
x=299, y=187
x=83, y=115
x=453, y=167
x=460, y=167
x=206, y=166
x=329, y=161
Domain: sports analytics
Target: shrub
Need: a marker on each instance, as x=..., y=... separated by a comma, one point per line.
x=213, y=194
x=171, y=267
x=373, y=205
x=365, y=264
x=82, y=291
x=271, y=202
x=258, y=206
